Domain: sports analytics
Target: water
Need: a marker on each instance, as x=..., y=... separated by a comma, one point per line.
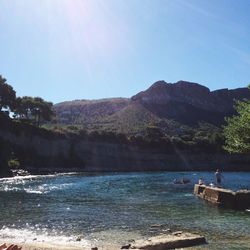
x=118, y=207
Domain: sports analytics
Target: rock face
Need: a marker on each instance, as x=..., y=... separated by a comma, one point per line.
x=189, y=102
x=192, y=94
x=39, y=153
x=185, y=92
x=169, y=241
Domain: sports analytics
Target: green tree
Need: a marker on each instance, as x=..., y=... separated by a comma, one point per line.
x=237, y=130
x=34, y=109
x=7, y=96
x=24, y=107
x=42, y=110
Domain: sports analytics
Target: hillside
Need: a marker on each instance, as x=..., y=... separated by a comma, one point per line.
x=80, y=111
x=171, y=107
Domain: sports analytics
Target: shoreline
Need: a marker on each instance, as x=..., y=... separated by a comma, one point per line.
x=57, y=246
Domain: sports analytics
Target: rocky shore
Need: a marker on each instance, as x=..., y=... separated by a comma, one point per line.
x=161, y=242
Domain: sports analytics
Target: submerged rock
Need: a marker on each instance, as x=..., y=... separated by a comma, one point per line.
x=156, y=226
x=79, y=238
x=177, y=233
x=126, y=246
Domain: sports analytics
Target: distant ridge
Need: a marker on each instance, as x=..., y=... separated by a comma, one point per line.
x=167, y=105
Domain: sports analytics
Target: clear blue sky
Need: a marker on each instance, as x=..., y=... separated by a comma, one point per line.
x=88, y=49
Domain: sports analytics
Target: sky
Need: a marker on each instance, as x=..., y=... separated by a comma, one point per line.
x=64, y=50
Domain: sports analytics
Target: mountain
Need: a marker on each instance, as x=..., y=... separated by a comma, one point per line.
x=165, y=105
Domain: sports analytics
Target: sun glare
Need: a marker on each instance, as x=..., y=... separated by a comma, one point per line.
x=91, y=29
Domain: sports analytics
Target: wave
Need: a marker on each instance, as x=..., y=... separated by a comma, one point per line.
x=22, y=236
x=46, y=188
x=31, y=184
x=36, y=176
x=30, y=191
x=41, y=189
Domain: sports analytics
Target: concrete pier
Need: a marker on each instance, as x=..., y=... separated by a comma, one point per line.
x=224, y=197
x=170, y=241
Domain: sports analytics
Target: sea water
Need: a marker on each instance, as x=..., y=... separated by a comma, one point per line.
x=118, y=208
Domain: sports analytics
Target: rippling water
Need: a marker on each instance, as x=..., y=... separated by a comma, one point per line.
x=118, y=207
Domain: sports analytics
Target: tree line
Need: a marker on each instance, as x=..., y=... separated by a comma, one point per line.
x=237, y=130
x=26, y=108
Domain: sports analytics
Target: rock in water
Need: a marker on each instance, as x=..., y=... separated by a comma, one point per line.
x=126, y=246
x=169, y=241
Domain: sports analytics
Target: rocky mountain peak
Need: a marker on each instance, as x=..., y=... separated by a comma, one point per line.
x=190, y=93
x=182, y=91
x=191, y=86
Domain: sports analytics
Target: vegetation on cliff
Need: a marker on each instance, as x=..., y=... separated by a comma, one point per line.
x=28, y=109
x=237, y=131
x=15, y=111
x=7, y=96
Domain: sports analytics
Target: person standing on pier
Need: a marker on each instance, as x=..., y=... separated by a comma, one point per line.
x=218, y=178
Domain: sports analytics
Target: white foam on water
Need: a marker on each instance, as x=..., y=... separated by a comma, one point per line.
x=27, y=177
x=8, y=189
x=11, y=179
x=30, y=191
x=43, y=189
x=21, y=183
x=22, y=236
x=188, y=195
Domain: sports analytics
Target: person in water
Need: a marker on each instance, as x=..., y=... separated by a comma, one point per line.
x=218, y=178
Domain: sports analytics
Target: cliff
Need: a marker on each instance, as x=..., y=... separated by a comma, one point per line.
x=43, y=151
x=189, y=103
x=192, y=94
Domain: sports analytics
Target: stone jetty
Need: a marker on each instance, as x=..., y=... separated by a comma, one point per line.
x=168, y=241
x=224, y=197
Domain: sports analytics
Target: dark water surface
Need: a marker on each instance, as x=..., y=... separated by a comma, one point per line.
x=118, y=207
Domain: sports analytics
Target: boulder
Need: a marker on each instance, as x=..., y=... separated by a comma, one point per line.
x=169, y=241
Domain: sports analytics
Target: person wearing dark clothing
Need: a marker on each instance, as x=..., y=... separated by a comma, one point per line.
x=218, y=177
